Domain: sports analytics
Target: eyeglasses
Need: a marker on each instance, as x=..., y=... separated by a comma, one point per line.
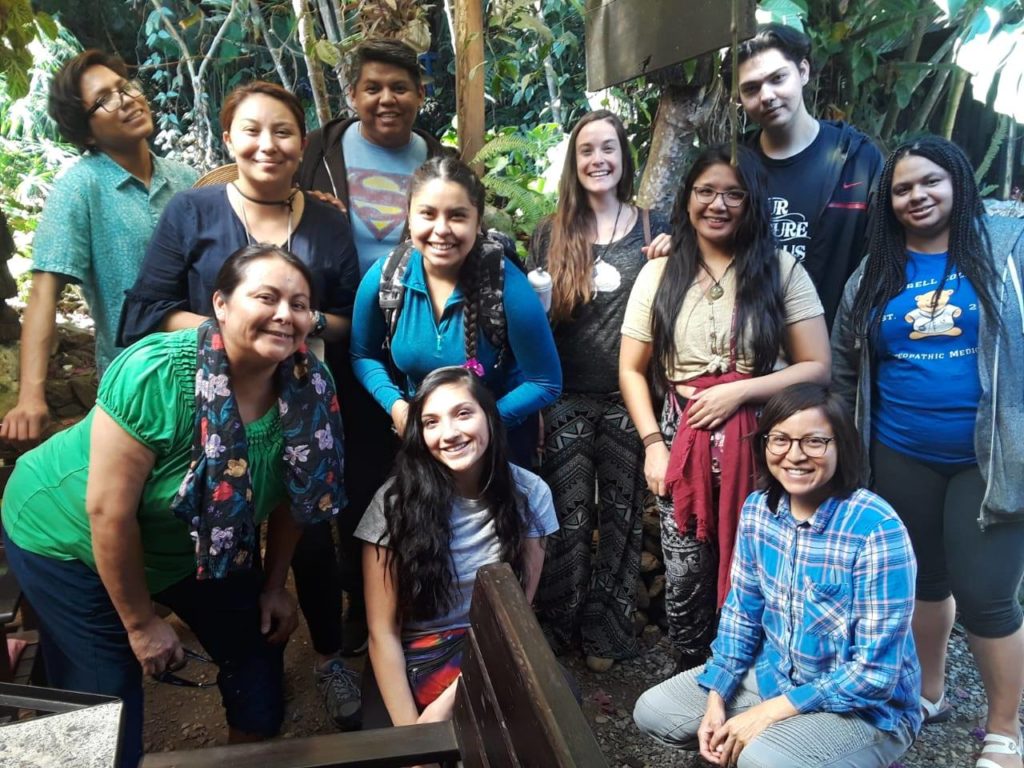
x=813, y=446
x=733, y=198
x=114, y=100
x=168, y=676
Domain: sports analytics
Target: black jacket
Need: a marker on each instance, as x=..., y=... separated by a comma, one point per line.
x=840, y=226
x=323, y=165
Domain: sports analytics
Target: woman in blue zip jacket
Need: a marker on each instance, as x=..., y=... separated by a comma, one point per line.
x=460, y=303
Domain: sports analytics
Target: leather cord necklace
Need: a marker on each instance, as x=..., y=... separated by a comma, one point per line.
x=716, y=291
x=288, y=202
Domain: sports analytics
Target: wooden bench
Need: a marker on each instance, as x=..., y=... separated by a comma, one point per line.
x=513, y=708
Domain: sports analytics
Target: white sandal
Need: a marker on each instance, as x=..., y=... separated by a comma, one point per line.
x=997, y=744
x=935, y=711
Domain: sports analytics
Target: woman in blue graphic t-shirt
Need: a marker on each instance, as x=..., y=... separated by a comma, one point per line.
x=928, y=346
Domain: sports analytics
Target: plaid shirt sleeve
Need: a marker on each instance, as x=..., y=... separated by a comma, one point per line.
x=883, y=600
x=739, y=631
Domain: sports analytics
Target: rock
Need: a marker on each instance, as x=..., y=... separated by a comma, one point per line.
x=651, y=634
x=643, y=598
x=649, y=563
x=639, y=622
x=657, y=586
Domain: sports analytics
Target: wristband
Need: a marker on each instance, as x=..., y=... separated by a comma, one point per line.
x=651, y=439
x=319, y=323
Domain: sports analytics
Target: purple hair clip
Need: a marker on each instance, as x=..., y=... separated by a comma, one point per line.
x=474, y=365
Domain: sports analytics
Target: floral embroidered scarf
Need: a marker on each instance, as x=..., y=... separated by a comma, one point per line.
x=215, y=497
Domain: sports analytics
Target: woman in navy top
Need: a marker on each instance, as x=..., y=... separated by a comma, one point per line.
x=265, y=132
x=443, y=300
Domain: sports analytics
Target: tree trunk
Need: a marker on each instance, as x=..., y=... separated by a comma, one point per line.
x=554, y=97
x=685, y=113
x=307, y=39
x=334, y=28
x=469, y=77
x=275, y=53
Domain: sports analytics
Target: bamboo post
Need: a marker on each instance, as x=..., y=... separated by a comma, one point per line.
x=469, y=76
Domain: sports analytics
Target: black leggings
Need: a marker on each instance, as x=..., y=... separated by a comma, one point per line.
x=939, y=504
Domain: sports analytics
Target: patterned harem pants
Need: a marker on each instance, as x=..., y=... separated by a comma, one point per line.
x=590, y=439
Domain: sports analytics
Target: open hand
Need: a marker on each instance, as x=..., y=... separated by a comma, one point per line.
x=711, y=407
x=25, y=423
x=660, y=247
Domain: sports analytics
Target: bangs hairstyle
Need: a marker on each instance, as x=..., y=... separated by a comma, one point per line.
x=65, y=105
x=570, y=254
x=273, y=90
x=232, y=272
x=418, y=504
x=793, y=44
x=849, y=474
x=760, y=308
x=969, y=251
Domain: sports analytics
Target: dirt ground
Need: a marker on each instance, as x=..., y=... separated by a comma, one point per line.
x=191, y=718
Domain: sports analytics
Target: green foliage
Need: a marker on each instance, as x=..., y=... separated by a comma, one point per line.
x=518, y=194
x=31, y=152
x=19, y=26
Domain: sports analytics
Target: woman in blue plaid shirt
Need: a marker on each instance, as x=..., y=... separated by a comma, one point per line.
x=814, y=663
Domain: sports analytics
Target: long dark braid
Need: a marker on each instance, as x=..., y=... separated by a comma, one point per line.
x=469, y=280
x=969, y=251
x=760, y=304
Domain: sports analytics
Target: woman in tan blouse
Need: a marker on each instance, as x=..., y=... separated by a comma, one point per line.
x=723, y=323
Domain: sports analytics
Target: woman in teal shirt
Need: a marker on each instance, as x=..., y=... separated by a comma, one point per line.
x=201, y=434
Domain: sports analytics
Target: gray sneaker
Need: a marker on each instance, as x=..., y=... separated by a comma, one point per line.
x=339, y=688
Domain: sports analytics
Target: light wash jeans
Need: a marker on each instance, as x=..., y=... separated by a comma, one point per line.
x=671, y=712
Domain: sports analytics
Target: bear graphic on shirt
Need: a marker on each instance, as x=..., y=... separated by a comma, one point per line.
x=934, y=315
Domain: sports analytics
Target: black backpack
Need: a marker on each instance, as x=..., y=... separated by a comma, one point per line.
x=492, y=247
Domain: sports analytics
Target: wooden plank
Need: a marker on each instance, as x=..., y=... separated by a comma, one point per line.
x=486, y=706
x=622, y=43
x=471, y=742
x=378, y=748
x=544, y=720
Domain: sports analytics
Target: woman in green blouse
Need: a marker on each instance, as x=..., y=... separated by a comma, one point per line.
x=197, y=437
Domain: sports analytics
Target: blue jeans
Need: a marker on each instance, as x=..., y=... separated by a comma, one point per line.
x=85, y=646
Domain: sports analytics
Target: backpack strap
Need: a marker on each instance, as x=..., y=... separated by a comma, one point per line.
x=391, y=290
x=645, y=216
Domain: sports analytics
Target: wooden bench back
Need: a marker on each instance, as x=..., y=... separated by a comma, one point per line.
x=514, y=707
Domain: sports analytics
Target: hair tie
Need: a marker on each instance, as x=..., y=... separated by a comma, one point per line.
x=474, y=365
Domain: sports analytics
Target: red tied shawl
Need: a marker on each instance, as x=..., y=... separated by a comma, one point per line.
x=688, y=478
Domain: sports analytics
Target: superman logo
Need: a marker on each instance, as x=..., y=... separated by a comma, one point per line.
x=378, y=199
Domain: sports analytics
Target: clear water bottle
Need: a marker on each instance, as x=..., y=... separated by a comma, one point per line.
x=540, y=281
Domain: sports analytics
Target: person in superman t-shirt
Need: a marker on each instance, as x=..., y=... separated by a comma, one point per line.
x=366, y=162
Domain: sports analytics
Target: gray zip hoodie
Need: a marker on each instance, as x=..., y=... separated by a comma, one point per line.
x=999, y=427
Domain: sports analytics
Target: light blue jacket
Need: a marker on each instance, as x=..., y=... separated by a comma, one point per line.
x=527, y=380
x=999, y=428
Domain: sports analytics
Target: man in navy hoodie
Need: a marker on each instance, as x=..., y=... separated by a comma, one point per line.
x=821, y=174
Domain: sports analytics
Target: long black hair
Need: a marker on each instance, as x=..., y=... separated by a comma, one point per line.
x=760, y=308
x=969, y=250
x=417, y=507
